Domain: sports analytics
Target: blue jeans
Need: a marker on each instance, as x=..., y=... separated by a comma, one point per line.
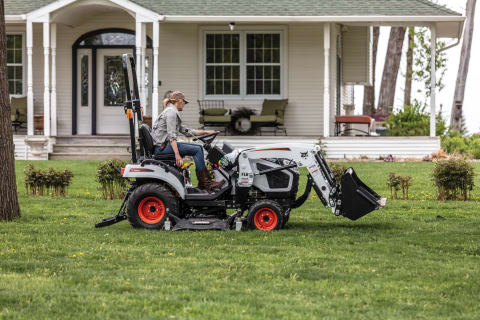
x=186, y=149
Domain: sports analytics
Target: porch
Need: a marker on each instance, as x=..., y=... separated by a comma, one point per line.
x=111, y=147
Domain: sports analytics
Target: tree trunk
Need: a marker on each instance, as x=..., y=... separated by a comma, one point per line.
x=457, y=107
x=369, y=91
x=407, y=100
x=9, y=208
x=390, y=70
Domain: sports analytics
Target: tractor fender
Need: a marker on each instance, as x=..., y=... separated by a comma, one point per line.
x=170, y=176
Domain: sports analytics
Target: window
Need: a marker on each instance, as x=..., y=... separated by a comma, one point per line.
x=15, y=63
x=223, y=64
x=243, y=64
x=84, y=70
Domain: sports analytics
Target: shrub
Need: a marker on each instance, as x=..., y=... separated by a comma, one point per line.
x=413, y=121
x=393, y=183
x=38, y=182
x=456, y=143
x=405, y=183
x=111, y=183
x=338, y=171
x=453, y=178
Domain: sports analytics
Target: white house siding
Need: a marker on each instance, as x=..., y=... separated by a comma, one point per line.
x=304, y=113
x=356, y=53
x=180, y=69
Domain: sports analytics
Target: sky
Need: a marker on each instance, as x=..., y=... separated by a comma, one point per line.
x=471, y=106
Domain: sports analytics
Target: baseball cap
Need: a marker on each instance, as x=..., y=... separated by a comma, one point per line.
x=178, y=95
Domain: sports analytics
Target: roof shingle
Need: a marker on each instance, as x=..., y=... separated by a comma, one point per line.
x=269, y=8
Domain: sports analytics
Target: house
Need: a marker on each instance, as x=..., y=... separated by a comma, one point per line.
x=64, y=56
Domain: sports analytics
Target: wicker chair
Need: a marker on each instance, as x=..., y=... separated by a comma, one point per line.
x=214, y=114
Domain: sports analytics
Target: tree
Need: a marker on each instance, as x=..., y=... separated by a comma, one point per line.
x=369, y=91
x=9, y=208
x=457, y=107
x=390, y=69
x=407, y=100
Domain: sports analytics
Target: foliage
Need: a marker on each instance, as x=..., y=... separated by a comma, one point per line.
x=112, y=184
x=456, y=143
x=41, y=182
x=453, y=178
x=396, y=182
x=338, y=171
x=414, y=121
x=422, y=56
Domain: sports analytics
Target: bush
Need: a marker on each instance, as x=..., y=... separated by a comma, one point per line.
x=413, y=121
x=112, y=184
x=453, y=178
x=38, y=182
x=456, y=143
x=395, y=183
x=338, y=171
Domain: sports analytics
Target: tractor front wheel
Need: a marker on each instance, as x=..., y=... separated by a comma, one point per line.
x=265, y=215
x=149, y=205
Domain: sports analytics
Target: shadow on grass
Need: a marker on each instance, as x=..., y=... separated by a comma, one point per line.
x=340, y=225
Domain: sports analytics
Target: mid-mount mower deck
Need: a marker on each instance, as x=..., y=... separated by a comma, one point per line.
x=261, y=181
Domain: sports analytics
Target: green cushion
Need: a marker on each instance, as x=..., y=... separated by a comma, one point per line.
x=269, y=106
x=218, y=119
x=215, y=111
x=265, y=119
x=19, y=104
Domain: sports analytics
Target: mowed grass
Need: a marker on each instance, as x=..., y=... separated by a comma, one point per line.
x=414, y=259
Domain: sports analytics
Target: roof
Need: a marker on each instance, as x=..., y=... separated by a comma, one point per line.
x=319, y=8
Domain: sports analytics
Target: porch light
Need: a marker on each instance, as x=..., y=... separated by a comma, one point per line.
x=232, y=26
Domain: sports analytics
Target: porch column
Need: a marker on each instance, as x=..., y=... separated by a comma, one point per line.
x=29, y=79
x=326, y=80
x=143, y=93
x=138, y=51
x=53, y=94
x=154, y=67
x=433, y=81
x=46, y=79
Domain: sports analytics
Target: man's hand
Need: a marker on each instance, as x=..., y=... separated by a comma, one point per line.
x=178, y=160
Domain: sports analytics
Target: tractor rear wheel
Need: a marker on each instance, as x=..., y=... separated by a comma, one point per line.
x=149, y=205
x=265, y=215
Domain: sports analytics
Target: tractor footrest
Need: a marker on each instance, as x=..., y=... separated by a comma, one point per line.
x=203, y=224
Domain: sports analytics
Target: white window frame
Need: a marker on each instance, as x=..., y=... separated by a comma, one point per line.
x=243, y=30
x=17, y=64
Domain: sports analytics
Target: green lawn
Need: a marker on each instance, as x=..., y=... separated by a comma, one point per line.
x=414, y=259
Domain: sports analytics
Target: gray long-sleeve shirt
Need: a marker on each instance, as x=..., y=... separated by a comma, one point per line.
x=168, y=125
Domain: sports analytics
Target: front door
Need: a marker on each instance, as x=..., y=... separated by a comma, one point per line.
x=110, y=93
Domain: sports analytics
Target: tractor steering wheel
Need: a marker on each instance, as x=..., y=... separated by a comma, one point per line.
x=204, y=137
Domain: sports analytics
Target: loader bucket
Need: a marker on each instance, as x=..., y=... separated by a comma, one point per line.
x=357, y=198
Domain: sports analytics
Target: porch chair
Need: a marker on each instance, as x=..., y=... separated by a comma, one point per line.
x=214, y=114
x=272, y=115
x=18, y=108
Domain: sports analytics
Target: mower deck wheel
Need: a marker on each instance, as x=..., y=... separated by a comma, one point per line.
x=148, y=206
x=265, y=215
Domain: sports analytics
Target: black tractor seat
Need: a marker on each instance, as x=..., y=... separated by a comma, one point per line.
x=164, y=157
x=149, y=146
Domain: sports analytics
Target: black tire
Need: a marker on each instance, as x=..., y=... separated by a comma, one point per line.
x=265, y=215
x=149, y=204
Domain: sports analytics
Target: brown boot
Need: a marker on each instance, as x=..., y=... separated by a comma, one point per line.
x=205, y=182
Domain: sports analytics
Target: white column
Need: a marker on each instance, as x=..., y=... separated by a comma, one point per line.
x=138, y=51
x=433, y=81
x=53, y=94
x=46, y=79
x=143, y=93
x=326, y=80
x=29, y=79
x=154, y=67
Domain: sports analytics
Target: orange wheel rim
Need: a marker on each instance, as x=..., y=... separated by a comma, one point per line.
x=151, y=210
x=265, y=219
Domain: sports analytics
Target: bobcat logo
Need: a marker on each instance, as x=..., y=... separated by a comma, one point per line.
x=303, y=154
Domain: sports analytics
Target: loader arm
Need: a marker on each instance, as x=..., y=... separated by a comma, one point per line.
x=352, y=199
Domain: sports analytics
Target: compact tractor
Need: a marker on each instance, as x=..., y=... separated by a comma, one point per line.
x=260, y=189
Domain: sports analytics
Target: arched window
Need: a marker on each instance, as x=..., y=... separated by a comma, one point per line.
x=109, y=38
